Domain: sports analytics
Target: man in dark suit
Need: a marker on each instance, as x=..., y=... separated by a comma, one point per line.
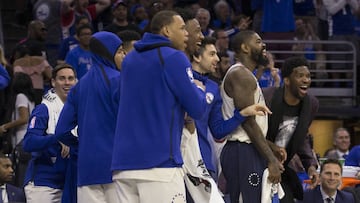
x=8, y=193
x=330, y=180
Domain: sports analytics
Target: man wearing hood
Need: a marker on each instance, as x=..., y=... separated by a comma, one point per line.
x=93, y=105
x=157, y=87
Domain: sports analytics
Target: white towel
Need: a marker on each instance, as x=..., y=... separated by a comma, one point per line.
x=269, y=189
x=197, y=179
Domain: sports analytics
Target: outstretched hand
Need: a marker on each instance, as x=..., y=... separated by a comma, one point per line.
x=255, y=110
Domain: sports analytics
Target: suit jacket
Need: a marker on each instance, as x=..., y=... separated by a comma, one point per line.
x=299, y=143
x=314, y=196
x=15, y=194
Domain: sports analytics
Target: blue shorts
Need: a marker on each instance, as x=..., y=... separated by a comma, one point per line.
x=243, y=167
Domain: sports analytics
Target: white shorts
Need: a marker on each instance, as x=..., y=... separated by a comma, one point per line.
x=36, y=194
x=100, y=193
x=132, y=190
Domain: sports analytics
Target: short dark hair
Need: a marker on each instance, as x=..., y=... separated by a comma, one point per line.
x=82, y=27
x=331, y=161
x=128, y=35
x=206, y=41
x=185, y=13
x=240, y=38
x=60, y=67
x=161, y=19
x=291, y=63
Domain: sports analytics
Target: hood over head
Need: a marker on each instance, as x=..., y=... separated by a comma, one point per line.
x=104, y=45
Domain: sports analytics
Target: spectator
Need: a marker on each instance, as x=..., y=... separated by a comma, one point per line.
x=222, y=44
x=223, y=15
x=268, y=75
x=341, y=142
x=9, y=193
x=49, y=12
x=120, y=22
x=140, y=16
x=238, y=23
x=222, y=67
x=203, y=16
x=35, y=41
x=342, y=14
x=43, y=181
x=330, y=180
x=72, y=41
x=36, y=67
x=21, y=104
x=80, y=57
x=76, y=8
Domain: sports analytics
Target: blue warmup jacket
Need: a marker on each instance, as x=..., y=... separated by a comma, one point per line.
x=43, y=147
x=214, y=120
x=156, y=89
x=92, y=104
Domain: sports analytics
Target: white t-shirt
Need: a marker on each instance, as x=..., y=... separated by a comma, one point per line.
x=21, y=101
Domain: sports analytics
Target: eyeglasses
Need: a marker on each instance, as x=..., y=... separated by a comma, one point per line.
x=44, y=29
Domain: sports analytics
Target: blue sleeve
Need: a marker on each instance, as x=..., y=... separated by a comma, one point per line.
x=4, y=77
x=68, y=118
x=178, y=75
x=36, y=139
x=218, y=126
x=353, y=159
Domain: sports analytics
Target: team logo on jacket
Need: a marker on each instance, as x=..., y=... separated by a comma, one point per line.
x=32, y=122
x=190, y=74
x=209, y=97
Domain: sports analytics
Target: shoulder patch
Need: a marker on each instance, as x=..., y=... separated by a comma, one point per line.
x=32, y=122
x=190, y=74
x=209, y=97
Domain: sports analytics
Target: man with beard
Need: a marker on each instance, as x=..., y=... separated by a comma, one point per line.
x=293, y=110
x=247, y=153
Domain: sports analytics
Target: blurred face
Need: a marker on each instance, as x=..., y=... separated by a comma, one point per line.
x=39, y=31
x=64, y=80
x=224, y=65
x=298, y=82
x=330, y=177
x=195, y=36
x=300, y=27
x=141, y=14
x=342, y=141
x=84, y=37
x=120, y=13
x=6, y=170
x=177, y=33
x=80, y=5
x=222, y=41
x=119, y=57
x=208, y=59
x=203, y=19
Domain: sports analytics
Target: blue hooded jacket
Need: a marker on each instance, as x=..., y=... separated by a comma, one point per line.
x=92, y=104
x=156, y=89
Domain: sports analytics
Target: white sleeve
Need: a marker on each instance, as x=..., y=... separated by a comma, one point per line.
x=333, y=6
x=21, y=101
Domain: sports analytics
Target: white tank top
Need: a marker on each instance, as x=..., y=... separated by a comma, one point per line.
x=228, y=108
